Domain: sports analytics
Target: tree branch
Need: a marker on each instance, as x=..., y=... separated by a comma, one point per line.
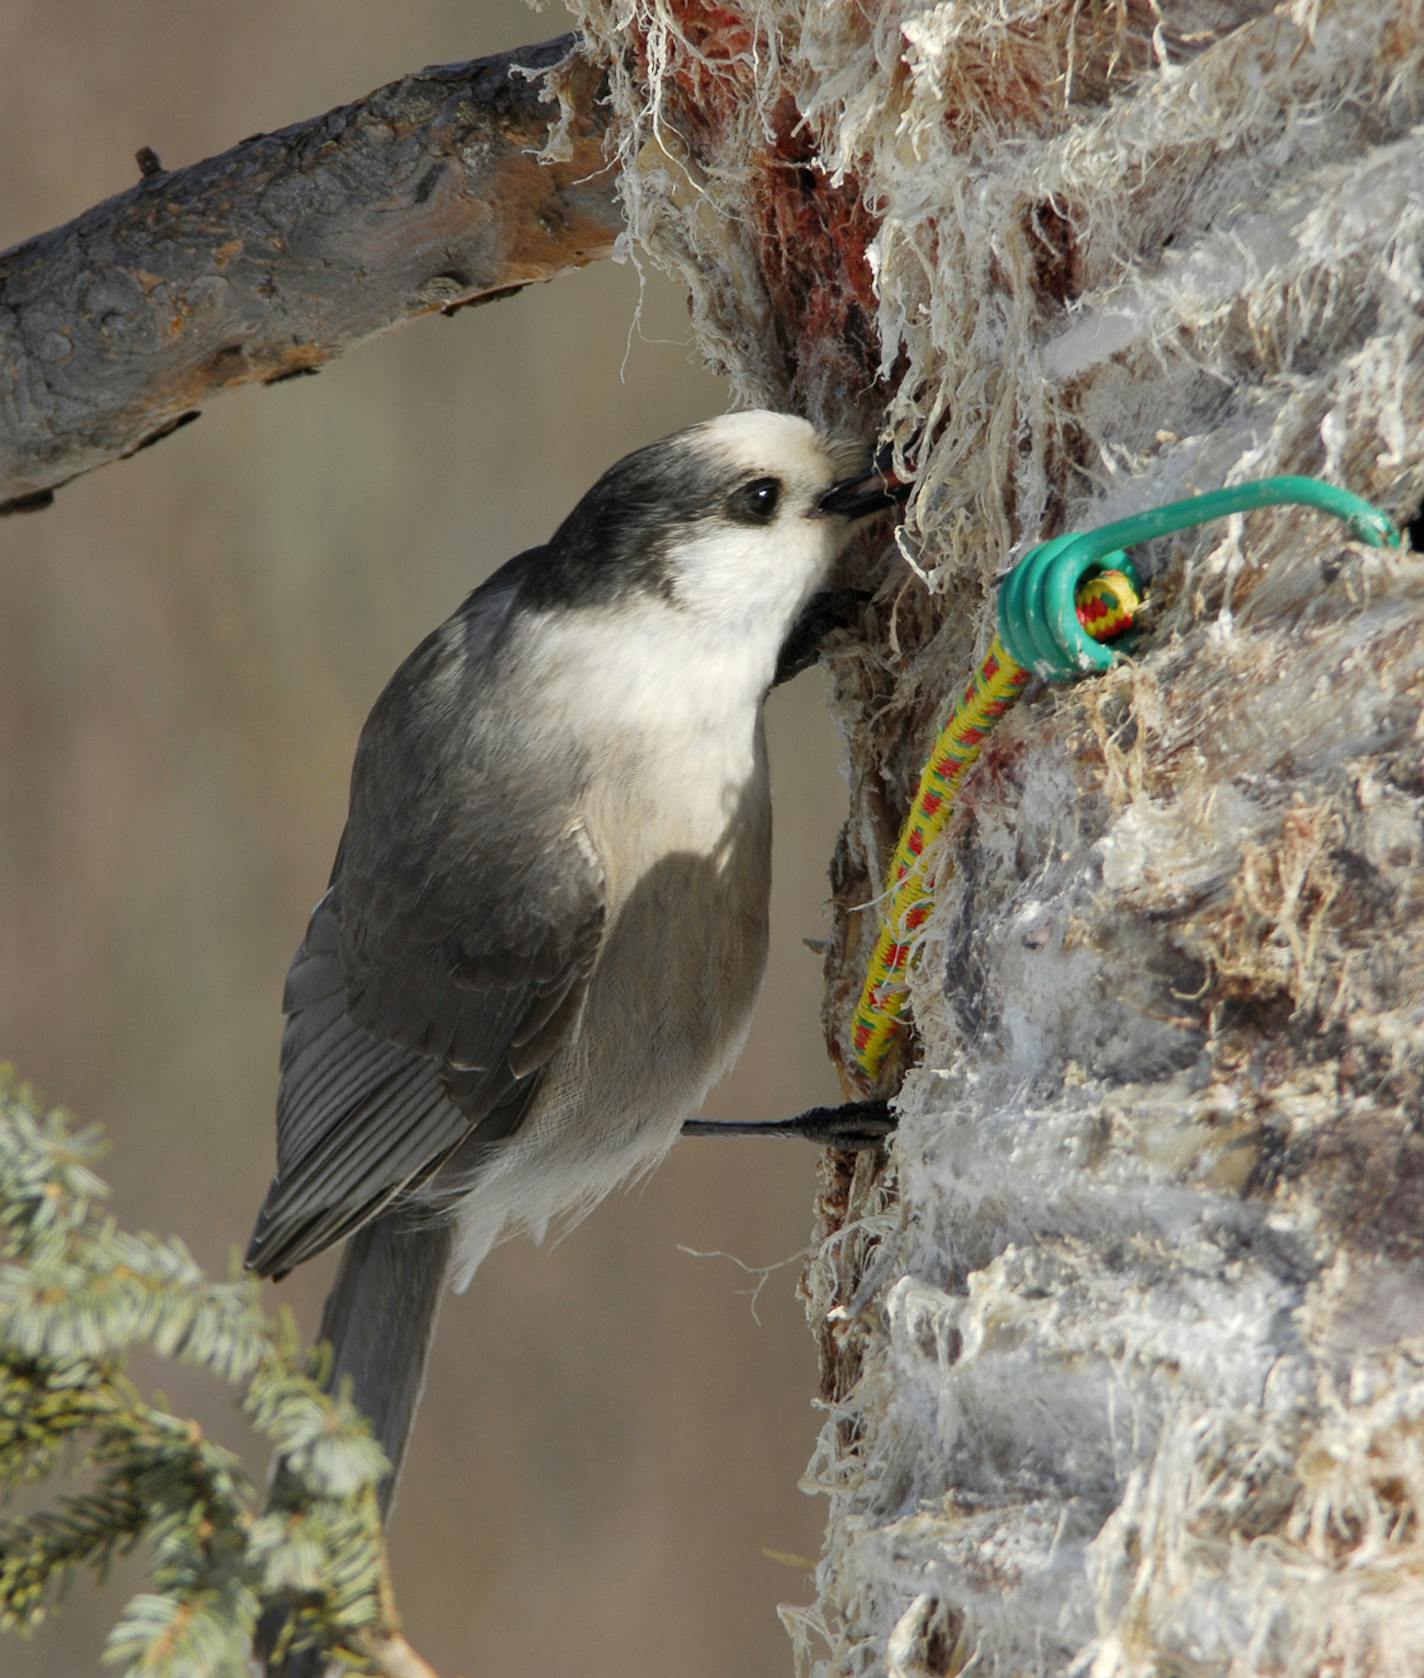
x=265, y=262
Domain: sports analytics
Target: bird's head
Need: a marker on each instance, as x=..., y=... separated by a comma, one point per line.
x=734, y=522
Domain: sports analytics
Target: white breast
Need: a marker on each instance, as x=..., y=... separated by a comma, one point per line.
x=677, y=806
x=670, y=728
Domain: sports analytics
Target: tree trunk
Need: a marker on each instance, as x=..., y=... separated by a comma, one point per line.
x=1122, y=1345
x=453, y=186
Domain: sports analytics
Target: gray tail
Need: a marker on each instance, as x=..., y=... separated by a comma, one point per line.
x=380, y=1319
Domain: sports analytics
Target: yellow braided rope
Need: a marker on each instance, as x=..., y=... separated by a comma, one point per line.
x=1106, y=604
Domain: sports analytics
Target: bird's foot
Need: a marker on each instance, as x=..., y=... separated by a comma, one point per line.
x=826, y=612
x=857, y=1124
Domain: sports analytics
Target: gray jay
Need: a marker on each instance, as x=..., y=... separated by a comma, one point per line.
x=547, y=919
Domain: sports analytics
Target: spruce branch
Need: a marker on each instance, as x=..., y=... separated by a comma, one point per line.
x=78, y=1295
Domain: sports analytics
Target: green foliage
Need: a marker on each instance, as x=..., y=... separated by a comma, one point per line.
x=77, y=1295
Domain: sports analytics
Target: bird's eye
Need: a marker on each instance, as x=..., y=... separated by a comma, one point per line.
x=756, y=502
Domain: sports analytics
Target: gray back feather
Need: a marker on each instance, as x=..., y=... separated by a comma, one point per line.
x=450, y=955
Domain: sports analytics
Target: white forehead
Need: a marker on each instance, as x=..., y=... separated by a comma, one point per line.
x=760, y=440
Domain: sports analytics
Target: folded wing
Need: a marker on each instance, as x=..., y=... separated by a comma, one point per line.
x=447, y=962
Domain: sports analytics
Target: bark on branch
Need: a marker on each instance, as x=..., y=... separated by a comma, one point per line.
x=265, y=262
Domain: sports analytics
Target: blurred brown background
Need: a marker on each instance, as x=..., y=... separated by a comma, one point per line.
x=188, y=645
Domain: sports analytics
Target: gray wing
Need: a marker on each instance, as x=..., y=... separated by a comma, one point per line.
x=447, y=961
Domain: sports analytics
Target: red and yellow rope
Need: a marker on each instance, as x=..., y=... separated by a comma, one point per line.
x=1106, y=604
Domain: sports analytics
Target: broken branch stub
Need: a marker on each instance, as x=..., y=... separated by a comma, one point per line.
x=265, y=262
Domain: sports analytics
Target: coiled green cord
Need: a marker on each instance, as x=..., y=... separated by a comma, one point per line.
x=1048, y=626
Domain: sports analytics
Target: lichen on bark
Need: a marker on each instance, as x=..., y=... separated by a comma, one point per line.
x=1123, y=1343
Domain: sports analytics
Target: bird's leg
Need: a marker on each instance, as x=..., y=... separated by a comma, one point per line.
x=831, y=609
x=857, y=1124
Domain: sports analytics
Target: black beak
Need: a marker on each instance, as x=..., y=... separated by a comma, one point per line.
x=871, y=492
